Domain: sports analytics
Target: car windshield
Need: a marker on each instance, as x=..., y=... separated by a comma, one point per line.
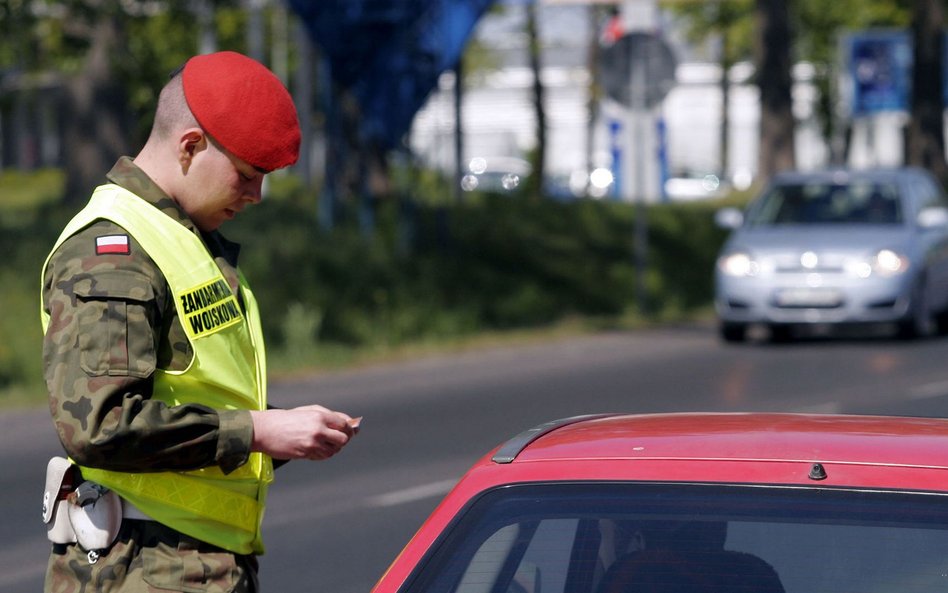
x=828, y=203
x=674, y=538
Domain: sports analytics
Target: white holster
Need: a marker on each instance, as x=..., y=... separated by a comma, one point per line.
x=84, y=512
x=60, y=478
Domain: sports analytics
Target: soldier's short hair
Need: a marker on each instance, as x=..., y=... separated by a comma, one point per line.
x=172, y=113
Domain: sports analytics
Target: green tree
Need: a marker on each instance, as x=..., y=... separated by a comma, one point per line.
x=925, y=146
x=821, y=24
x=730, y=22
x=816, y=24
x=760, y=30
x=108, y=58
x=774, y=63
x=534, y=49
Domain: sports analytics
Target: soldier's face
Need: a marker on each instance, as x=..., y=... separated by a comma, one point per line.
x=220, y=185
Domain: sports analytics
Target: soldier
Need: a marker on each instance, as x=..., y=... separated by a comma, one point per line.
x=153, y=352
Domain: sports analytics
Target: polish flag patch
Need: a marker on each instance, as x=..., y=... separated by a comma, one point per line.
x=112, y=244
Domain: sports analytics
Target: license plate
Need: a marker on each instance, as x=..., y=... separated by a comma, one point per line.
x=808, y=297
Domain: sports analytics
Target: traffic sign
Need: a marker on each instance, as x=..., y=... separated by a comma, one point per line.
x=638, y=56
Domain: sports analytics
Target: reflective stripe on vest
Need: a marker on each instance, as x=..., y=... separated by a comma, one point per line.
x=227, y=371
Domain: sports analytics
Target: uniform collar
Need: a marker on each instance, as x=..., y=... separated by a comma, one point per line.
x=128, y=175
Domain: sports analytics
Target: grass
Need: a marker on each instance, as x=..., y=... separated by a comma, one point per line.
x=26, y=191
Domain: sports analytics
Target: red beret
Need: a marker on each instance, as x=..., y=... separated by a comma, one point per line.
x=245, y=107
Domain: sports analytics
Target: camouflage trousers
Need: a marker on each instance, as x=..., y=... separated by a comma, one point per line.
x=148, y=557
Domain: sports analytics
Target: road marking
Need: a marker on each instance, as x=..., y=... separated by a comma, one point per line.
x=929, y=390
x=413, y=494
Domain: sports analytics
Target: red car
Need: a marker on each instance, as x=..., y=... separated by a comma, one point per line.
x=694, y=503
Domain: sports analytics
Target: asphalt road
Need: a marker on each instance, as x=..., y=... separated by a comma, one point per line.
x=335, y=525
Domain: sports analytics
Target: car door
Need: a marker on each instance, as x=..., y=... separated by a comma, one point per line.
x=934, y=240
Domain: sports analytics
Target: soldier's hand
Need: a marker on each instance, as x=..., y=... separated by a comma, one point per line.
x=307, y=432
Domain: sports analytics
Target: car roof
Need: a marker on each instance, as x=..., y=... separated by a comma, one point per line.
x=758, y=448
x=778, y=437
x=844, y=175
x=753, y=450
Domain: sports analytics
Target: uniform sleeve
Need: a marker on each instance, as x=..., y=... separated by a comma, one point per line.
x=100, y=350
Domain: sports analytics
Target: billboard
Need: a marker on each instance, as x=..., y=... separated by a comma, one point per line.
x=879, y=64
x=878, y=69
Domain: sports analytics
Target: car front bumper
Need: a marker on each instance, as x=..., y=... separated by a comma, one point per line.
x=812, y=298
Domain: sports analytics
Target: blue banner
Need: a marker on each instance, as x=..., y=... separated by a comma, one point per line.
x=880, y=66
x=390, y=53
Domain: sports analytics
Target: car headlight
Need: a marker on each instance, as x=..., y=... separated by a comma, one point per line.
x=889, y=263
x=739, y=264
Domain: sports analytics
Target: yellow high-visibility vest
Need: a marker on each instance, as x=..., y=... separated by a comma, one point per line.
x=227, y=372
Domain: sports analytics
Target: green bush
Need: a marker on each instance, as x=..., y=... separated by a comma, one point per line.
x=429, y=272
x=26, y=235
x=25, y=192
x=489, y=263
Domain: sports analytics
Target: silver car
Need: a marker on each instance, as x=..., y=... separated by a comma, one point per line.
x=836, y=247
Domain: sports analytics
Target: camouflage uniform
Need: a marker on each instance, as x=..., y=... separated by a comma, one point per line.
x=112, y=323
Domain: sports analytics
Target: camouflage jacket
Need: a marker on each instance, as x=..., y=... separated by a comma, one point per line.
x=112, y=324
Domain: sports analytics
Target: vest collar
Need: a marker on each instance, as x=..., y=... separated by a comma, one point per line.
x=127, y=174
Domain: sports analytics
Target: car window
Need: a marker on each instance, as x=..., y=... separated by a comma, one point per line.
x=542, y=566
x=654, y=538
x=928, y=194
x=826, y=203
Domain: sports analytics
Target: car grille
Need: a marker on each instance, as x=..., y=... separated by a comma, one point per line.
x=798, y=269
x=809, y=306
x=826, y=263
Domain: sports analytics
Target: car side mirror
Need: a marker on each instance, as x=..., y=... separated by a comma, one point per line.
x=933, y=217
x=729, y=218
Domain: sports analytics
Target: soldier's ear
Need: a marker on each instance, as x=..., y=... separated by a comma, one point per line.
x=190, y=142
